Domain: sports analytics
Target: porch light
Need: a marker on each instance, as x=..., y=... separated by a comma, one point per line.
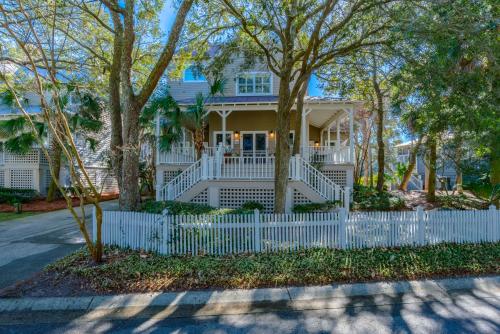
x=236, y=135
x=271, y=134
x=316, y=144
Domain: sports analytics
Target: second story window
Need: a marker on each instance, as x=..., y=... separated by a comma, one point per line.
x=193, y=74
x=254, y=83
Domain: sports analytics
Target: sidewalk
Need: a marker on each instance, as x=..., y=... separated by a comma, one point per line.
x=333, y=295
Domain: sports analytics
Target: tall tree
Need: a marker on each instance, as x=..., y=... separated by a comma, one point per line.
x=296, y=38
x=127, y=98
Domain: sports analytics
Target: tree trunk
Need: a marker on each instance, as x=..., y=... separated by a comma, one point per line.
x=411, y=166
x=495, y=170
x=130, y=192
x=282, y=147
x=431, y=190
x=116, y=142
x=380, y=141
x=458, y=163
x=298, y=116
x=56, y=152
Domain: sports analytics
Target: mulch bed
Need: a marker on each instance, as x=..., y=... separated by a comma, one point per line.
x=40, y=205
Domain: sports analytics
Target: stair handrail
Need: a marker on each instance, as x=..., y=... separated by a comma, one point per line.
x=324, y=186
x=182, y=182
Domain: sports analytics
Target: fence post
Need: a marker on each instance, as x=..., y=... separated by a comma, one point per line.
x=492, y=224
x=165, y=228
x=343, y=228
x=347, y=198
x=94, y=226
x=256, y=230
x=420, y=226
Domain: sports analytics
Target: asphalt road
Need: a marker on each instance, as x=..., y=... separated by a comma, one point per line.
x=457, y=312
x=28, y=244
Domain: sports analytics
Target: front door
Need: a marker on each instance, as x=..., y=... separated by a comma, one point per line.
x=254, y=144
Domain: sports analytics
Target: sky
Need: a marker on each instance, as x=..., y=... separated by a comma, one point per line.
x=167, y=18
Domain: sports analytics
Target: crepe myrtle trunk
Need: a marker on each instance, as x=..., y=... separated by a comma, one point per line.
x=282, y=146
x=411, y=166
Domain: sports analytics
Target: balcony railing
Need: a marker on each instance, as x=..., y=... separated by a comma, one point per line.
x=313, y=154
x=326, y=154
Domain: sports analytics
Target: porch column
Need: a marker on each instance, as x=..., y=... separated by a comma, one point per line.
x=223, y=114
x=303, y=131
x=337, y=123
x=351, y=134
x=329, y=136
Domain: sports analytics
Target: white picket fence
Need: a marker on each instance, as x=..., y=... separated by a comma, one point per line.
x=234, y=234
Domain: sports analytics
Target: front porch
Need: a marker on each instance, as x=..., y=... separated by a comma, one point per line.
x=248, y=129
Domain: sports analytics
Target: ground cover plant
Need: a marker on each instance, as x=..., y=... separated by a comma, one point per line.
x=134, y=271
x=367, y=198
x=180, y=208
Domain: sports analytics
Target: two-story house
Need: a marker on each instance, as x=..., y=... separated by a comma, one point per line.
x=240, y=138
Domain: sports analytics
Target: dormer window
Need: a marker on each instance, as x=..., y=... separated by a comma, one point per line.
x=255, y=83
x=193, y=74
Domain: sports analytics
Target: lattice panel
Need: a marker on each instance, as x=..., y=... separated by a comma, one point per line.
x=28, y=158
x=201, y=198
x=2, y=178
x=298, y=198
x=169, y=175
x=21, y=179
x=236, y=197
x=339, y=177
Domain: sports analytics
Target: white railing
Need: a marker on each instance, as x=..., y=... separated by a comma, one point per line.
x=303, y=171
x=326, y=154
x=247, y=168
x=182, y=182
x=253, y=233
x=178, y=155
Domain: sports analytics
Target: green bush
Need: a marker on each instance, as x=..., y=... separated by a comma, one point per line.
x=315, y=207
x=366, y=198
x=11, y=196
x=180, y=208
x=252, y=205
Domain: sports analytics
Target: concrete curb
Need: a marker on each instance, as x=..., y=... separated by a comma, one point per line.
x=257, y=296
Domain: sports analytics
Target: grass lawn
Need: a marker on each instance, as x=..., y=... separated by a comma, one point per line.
x=133, y=271
x=4, y=216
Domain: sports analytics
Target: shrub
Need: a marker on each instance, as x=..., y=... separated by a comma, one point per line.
x=315, y=207
x=366, y=198
x=252, y=205
x=11, y=196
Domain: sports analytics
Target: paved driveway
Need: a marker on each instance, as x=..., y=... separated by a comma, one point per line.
x=28, y=244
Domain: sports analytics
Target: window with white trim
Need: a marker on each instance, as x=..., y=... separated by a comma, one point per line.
x=257, y=83
x=218, y=138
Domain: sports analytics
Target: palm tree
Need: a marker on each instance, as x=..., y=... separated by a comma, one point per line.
x=83, y=117
x=174, y=119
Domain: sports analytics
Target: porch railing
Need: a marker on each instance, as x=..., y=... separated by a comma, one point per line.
x=251, y=168
x=178, y=155
x=326, y=154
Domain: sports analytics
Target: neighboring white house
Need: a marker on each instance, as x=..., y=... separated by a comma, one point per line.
x=31, y=170
x=238, y=160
